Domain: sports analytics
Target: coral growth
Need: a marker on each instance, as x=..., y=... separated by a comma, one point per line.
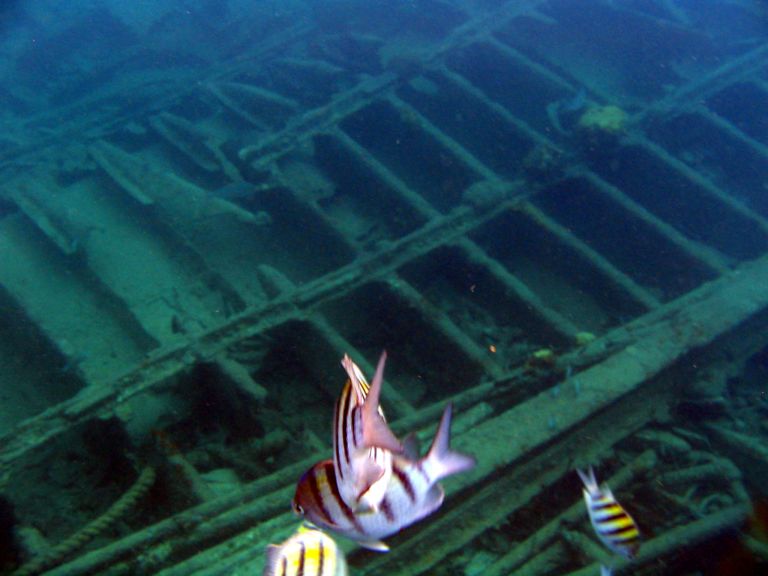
x=543, y=165
x=584, y=338
x=608, y=119
x=542, y=359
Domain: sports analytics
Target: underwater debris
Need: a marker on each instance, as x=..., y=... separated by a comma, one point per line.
x=239, y=375
x=94, y=528
x=235, y=191
x=180, y=469
x=374, y=181
x=191, y=142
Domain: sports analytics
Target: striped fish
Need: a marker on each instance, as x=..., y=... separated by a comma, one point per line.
x=613, y=525
x=413, y=492
x=362, y=441
x=309, y=552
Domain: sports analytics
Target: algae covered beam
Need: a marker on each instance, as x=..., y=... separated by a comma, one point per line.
x=701, y=252
x=525, y=443
x=306, y=298
x=239, y=375
x=189, y=140
x=257, y=106
x=29, y=203
x=445, y=326
x=178, y=199
x=305, y=126
x=128, y=181
x=601, y=264
x=709, y=187
x=531, y=450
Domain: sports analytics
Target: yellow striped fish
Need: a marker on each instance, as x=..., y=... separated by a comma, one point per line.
x=613, y=525
x=309, y=552
x=362, y=441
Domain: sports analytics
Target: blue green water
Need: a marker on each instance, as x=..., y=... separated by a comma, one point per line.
x=553, y=214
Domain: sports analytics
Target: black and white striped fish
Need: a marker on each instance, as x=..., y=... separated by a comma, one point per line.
x=362, y=441
x=309, y=552
x=413, y=492
x=612, y=524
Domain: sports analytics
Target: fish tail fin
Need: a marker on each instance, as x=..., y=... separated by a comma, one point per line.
x=588, y=479
x=442, y=460
x=270, y=566
x=376, y=432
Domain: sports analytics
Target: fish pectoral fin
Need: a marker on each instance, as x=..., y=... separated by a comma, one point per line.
x=375, y=545
x=365, y=509
x=369, y=475
x=368, y=500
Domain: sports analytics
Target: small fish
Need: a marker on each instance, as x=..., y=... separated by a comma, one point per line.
x=309, y=552
x=606, y=570
x=413, y=492
x=613, y=525
x=362, y=441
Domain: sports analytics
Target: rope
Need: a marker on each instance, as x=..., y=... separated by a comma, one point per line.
x=80, y=538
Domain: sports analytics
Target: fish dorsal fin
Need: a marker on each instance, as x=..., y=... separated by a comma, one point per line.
x=273, y=557
x=376, y=433
x=359, y=385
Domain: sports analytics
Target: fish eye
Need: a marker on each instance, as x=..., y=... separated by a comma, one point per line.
x=298, y=509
